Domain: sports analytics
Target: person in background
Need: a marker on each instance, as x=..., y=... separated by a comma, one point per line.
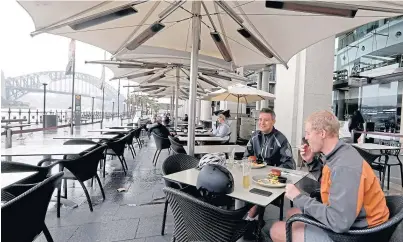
x=356, y=124
x=157, y=128
x=223, y=128
x=351, y=195
x=185, y=119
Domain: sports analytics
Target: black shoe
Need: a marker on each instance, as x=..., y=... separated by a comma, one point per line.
x=251, y=232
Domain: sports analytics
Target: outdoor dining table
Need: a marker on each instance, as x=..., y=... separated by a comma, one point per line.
x=47, y=151
x=124, y=127
x=205, y=149
x=8, y=179
x=207, y=133
x=189, y=177
x=100, y=136
x=371, y=146
x=204, y=138
x=110, y=130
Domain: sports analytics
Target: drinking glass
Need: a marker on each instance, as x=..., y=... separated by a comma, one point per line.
x=246, y=171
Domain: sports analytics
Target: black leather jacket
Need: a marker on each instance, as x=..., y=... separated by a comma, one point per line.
x=272, y=148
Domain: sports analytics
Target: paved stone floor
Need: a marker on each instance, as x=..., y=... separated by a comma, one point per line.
x=134, y=215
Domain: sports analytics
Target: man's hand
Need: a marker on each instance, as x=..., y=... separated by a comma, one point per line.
x=291, y=191
x=306, y=153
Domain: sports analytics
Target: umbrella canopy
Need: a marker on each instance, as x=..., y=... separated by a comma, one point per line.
x=245, y=32
x=241, y=94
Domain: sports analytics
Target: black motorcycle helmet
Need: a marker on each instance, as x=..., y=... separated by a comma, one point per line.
x=214, y=182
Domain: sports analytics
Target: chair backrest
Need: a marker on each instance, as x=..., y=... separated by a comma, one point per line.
x=390, y=143
x=118, y=146
x=130, y=137
x=161, y=142
x=196, y=220
x=23, y=218
x=137, y=133
x=176, y=163
x=369, y=157
x=86, y=166
x=176, y=146
x=10, y=166
x=79, y=142
x=117, y=128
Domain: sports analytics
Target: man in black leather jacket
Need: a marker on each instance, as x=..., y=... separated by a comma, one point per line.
x=268, y=144
x=158, y=128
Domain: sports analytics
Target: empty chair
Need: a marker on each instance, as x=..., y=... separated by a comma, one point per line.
x=82, y=169
x=23, y=218
x=173, y=164
x=395, y=153
x=176, y=146
x=129, y=142
x=390, y=231
x=161, y=143
x=14, y=190
x=196, y=220
x=117, y=148
x=137, y=133
x=377, y=166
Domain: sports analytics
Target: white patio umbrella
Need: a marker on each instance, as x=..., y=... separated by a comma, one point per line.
x=240, y=94
x=241, y=32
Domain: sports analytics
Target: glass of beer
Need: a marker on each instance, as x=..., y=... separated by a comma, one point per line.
x=246, y=170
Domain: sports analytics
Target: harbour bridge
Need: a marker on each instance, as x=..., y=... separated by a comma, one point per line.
x=13, y=88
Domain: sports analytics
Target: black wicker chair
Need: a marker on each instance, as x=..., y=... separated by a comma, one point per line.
x=129, y=142
x=396, y=154
x=137, y=134
x=176, y=146
x=389, y=231
x=14, y=190
x=173, y=164
x=82, y=169
x=117, y=148
x=377, y=166
x=196, y=220
x=161, y=143
x=23, y=218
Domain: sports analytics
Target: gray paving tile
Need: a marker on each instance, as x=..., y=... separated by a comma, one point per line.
x=165, y=238
x=152, y=226
x=111, y=231
x=125, y=212
x=61, y=234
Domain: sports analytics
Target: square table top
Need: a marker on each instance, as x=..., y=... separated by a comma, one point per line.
x=189, y=177
x=110, y=130
x=205, y=149
x=371, y=146
x=8, y=179
x=204, y=138
x=37, y=150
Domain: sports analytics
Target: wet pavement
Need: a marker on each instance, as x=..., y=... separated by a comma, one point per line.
x=133, y=215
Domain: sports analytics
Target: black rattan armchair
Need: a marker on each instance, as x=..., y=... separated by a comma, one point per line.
x=161, y=143
x=173, y=164
x=196, y=220
x=129, y=142
x=377, y=166
x=139, y=141
x=23, y=218
x=117, y=148
x=176, y=146
x=389, y=231
x=82, y=169
x=396, y=154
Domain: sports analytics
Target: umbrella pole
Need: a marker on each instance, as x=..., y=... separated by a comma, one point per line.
x=196, y=27
x=103, y=105
x=176, y=92
x=72, y=98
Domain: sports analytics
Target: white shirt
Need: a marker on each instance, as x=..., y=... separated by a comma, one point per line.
x=222, y=130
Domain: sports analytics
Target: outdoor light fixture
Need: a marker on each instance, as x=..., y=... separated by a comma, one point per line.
x=170, y=9
x=224, y=6
x=145, y=35
x=311, y=7
x=136, y=75
x=255, y=42
x=221, y=46
x=154, y=79
x=103, y=17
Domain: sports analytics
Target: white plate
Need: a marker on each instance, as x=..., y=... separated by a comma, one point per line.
x=258, y=167
x=256, y=178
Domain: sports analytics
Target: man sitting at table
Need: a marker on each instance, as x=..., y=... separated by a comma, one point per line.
x=268, y=144
x=350, y=191
x=158, y=129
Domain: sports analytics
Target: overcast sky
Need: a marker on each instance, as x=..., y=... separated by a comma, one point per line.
x=22, y=54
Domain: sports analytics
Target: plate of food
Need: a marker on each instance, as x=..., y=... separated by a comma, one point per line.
x=256, y=164
x=273, y=179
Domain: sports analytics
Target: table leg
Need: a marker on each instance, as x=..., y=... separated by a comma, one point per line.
x=260, y=222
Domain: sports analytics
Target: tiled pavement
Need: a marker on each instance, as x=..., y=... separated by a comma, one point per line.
x=134, y=215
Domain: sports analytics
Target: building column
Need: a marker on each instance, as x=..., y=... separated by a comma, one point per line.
x=205, y=110
x=259, y=87
x=198, y=110
x=303, y=88
x=265, y=85
x=341, y=96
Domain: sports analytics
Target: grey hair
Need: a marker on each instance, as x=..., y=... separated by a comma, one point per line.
x=269, y=111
